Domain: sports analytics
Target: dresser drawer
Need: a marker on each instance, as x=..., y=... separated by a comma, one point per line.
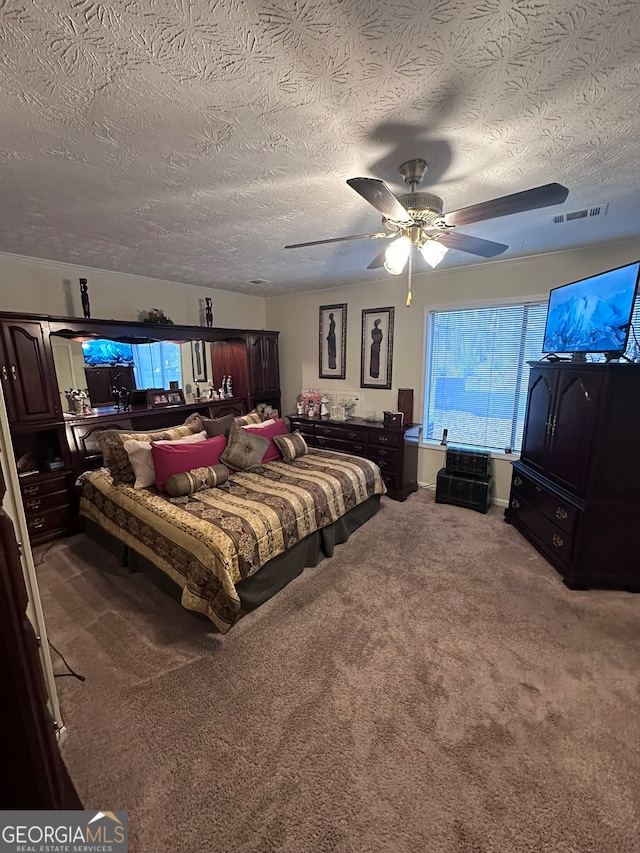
x=346, y=432
x=323, y=442
x=386, y=438
x=555, y=541
x=38, y=488
x=381, y=451
x=387, y=466
x=559, y=512
x=391, y=479
x=36, y=505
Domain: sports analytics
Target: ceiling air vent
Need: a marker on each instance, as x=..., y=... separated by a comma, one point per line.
x=586, y=213
x=259, y=281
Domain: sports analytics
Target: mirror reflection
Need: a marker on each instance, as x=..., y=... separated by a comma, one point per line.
x=98, y=366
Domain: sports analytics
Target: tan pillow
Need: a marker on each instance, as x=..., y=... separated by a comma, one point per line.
x=244, y=450
x=116, y=458
x=195, y=480
x=291, y=446
x=253, y=417
x=139, y=453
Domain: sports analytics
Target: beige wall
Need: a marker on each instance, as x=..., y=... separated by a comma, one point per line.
x=47, y=287
x=297, y=319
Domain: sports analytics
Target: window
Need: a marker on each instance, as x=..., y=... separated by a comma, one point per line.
x=477, y=373
x=157, y=364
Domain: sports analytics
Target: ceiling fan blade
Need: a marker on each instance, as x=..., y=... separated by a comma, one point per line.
x=378, y=261
x=373, y=236
x=543, y=196
x=380, y=196
x=473, y=245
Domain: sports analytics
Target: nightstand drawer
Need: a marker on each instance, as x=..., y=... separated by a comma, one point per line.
x=37, y=488
x=36, y=505
x=42, y=523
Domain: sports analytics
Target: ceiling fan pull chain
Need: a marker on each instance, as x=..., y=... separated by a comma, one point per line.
x=408, y=302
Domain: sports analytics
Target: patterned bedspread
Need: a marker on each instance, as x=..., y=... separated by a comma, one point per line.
x=209, y=541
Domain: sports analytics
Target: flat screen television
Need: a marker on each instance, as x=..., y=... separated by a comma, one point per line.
x=101, y=352
x=592, y=315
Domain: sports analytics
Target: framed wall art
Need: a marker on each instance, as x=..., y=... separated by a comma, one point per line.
x=377, y=347
x=333, y=341
x=199, y=360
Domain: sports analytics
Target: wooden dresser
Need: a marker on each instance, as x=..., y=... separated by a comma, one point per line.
x=575, y=491
x=394, y=450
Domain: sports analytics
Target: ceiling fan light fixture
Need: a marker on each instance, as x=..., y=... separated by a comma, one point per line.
x=433, y=252
x=396, y=255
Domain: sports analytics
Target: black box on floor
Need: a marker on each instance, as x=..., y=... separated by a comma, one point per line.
x=464, y=461
x=464, y=490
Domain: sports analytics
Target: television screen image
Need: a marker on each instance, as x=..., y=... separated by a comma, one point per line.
x=103, y=352
x=592, y=315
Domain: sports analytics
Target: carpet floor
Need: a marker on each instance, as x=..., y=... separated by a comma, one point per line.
x=432, y=687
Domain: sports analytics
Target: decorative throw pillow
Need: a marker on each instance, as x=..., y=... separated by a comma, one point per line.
x=269, y=429
x=213, y=426
x=291, y=446
x=253, y=417
x=171, y=459
x=142, y=463
x=244, y=450
x=195, y=480
x=116, y=458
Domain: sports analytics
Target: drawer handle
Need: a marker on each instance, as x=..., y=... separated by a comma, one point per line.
x=33, y=504
x=562, y=513
x=37, y=523
x=383, y=439
x=558, y=541
x=358, y=446
x=5, y=375
x=321, y=440
x=31, y=490
x=515, y=504
x=517, y=481
x=383, y=451
x=353, y=435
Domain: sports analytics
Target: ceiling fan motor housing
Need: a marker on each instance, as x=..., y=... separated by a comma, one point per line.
x=424, y=209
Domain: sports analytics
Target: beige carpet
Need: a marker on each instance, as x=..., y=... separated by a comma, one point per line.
x=433, y=687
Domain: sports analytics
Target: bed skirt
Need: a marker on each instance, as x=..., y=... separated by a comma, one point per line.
x=267, y=581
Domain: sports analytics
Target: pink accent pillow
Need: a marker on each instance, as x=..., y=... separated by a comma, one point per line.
x=170, y=459
x=269, y=429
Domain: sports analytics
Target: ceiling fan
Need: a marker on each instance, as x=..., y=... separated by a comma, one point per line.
x=415, y=219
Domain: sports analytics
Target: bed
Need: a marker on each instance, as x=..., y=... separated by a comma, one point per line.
x=228, y=549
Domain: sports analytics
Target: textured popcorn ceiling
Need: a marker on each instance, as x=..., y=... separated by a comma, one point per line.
x=190, y=140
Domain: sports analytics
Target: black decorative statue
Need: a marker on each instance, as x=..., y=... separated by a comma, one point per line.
x=84, y=296
x=208, y=312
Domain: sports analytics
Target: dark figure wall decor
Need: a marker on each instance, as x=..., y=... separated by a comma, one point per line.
x=208, y=311
x=84, y=297
x=377, y=347
x=333, y=341
x=376, y=343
